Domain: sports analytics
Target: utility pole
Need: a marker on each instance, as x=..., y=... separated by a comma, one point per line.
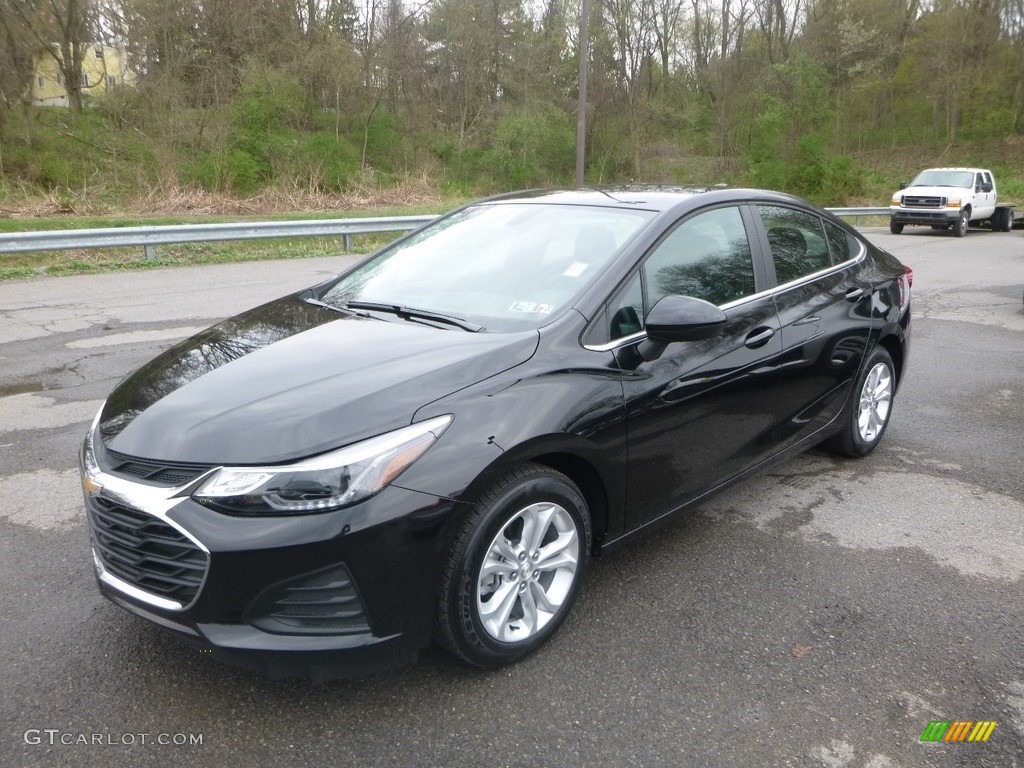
x=581, y=110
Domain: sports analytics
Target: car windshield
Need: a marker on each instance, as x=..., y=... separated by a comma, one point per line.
x=944, y=179
x=502, y=266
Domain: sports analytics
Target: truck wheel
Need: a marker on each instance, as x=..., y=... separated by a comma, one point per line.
x=895, y=227
x=1007, y=220
x=960, y=228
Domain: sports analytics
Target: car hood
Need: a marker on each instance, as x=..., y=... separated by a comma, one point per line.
x=936, y=191
x=289, y=380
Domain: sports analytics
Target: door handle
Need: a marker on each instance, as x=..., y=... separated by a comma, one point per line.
x=854, y=293
x=758, y=337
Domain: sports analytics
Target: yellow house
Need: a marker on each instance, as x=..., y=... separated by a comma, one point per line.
x=104, y=68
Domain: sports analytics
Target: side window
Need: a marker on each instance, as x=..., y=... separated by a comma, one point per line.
x=707, y=256
x=627, y=310
x=838, y=243
x=797, y=241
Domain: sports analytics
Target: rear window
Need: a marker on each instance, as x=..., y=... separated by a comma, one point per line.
x=797, y=241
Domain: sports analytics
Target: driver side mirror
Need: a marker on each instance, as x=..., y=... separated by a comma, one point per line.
x=679, y=318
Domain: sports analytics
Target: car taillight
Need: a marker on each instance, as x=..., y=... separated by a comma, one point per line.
x=905, y=281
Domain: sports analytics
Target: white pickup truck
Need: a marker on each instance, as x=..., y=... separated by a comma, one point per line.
x=950, y=197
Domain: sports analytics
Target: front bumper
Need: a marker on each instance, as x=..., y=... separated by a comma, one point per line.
x=335, y=594
x=934, y=216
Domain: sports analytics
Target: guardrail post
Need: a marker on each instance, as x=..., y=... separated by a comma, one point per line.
x=150, y=252
x=346, y=242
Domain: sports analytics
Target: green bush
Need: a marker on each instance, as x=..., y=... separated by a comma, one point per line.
x=242, y=172
x=535, y=146
x=323, y=162
x=386, y=146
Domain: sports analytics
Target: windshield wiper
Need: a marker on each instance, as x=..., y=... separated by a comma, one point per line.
x=336, y=308
x=411, y=313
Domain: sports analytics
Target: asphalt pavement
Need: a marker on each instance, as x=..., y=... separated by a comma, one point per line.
x=821, y=614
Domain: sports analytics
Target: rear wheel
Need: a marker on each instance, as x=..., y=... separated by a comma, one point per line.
x=1007, y=220
x=867, y=414
x=515, y=567
x=960, y=227
x=896, y=227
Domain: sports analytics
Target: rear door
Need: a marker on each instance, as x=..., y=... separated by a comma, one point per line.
x=824, y=307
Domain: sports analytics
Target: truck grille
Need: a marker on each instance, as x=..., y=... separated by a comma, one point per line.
x=146, y=552
x=921, y=201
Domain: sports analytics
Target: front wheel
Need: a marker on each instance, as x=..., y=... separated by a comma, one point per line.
x=515, y=567
x=868, y=412
x=896, y=227
x=960, y=228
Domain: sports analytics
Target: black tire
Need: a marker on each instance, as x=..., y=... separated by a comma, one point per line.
x=960, y=227
x=461, y=626
x=896, y=227
x=1007, y=220
x=853, y=439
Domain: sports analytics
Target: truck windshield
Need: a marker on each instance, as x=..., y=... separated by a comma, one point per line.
x=944, y=179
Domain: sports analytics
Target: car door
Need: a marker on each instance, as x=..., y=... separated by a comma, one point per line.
x=824, y=307
x=702, y=411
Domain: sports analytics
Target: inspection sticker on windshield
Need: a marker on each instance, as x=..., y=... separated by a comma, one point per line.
x=575, y=269
x=531, y=306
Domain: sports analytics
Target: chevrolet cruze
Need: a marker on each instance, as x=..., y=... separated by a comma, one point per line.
x=435, y=443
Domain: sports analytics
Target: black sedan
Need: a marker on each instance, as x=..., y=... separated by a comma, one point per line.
x=435, y=443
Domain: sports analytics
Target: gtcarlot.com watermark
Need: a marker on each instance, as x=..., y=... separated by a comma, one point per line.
x=52, y=737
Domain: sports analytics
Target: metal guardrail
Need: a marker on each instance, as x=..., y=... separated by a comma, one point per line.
x=857, y=213
x=148, y=237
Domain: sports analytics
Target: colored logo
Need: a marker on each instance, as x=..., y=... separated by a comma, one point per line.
x=958, y=730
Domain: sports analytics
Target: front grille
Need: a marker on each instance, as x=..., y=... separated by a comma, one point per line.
x=322, y=602
x=921, y=201
x=146, y=552
x=164, y=474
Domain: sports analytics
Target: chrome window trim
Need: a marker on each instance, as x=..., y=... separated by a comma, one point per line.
x=812, y=276
x=620, y=342
x=640, y=335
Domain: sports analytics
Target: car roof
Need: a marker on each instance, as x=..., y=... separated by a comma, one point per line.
x=651, y=198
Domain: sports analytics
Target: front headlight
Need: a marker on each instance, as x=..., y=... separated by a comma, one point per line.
x=953, y=202
x=325, y=482
x=897, y=199
x=90, y=468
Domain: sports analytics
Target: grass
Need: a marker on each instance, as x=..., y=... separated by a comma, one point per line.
x=37, y=223
x=79, y=262
x=90, y=261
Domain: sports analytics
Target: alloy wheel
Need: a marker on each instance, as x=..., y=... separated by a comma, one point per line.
x=528, y=572
x=875, y=401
